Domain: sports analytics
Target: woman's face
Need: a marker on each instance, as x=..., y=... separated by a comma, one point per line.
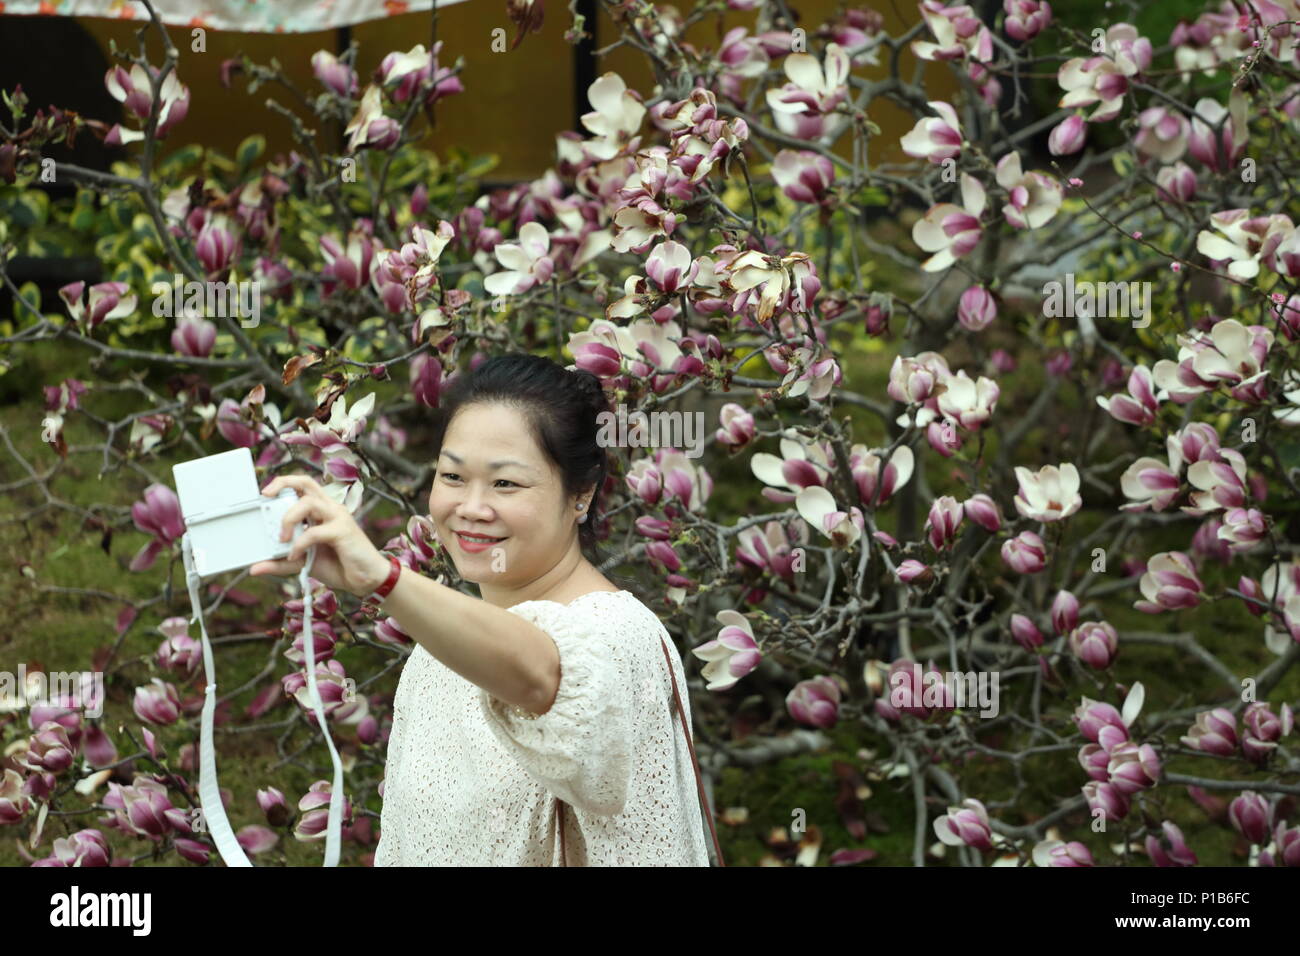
x=493, y=480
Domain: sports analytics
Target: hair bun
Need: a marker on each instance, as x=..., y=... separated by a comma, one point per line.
x=591, y=388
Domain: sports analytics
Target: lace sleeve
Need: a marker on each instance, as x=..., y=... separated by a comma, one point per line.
x=580, y=749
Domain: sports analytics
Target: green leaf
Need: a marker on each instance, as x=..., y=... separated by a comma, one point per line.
x=31, y=292
x=180, y=159
x=249, y=150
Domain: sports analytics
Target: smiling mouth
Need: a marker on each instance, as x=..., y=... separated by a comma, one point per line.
x=478, y=538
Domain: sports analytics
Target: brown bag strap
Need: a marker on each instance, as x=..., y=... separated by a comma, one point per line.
x=699, y=783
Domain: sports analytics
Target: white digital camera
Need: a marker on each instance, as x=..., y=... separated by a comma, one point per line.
x=229, y=523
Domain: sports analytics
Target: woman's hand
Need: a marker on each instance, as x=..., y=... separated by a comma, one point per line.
x=345, y=558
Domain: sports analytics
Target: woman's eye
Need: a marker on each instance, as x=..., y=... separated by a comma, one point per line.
x=508, y=482
x=449, y=475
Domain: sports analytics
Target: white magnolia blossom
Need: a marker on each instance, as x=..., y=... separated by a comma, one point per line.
x=1242, y=240
x=817, y=506
x=1050, y=495
x=615, y=118
x=526, y=262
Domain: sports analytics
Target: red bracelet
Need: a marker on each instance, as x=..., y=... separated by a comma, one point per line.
x=390, y=582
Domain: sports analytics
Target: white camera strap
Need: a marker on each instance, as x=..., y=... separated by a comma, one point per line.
x=214, y=811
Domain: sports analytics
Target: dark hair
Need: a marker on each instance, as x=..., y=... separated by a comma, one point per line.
x=561, y=407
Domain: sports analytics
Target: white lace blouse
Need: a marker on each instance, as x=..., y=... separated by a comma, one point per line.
x=471, y=782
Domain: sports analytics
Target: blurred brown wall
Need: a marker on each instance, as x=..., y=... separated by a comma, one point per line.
x=515, y=102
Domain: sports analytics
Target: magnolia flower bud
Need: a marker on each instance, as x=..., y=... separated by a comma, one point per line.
x=1065, y=612
x=976, y=309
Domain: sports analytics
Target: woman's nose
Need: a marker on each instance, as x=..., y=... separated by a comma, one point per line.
x=472, y=503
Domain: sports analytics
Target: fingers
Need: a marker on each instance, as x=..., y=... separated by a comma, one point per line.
x=303, y=484
x=275, y=567
x=299, y=511
x=313, y=535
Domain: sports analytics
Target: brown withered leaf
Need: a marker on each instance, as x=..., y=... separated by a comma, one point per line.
x=526, y=15
x=293, y=368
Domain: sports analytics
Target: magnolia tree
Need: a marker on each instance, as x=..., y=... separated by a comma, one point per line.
x=1072, y=333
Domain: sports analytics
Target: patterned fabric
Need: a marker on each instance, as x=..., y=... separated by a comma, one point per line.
x=246, y=16
x=470, y=782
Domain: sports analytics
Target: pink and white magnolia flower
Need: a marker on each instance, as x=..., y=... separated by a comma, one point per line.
x=349, y=267
x=935, y=138
x=1094, y=718
x=159, y=515
x=969, y=403
x=85, y=848
x=1243, y=528
x=218, y=244
x=1149, y=483
x=406, y=72
x=134, y=90
x=945, y=518
x=967, y=825
x=785, y=281
x=1244, y=241
x=948, y=231
x=1050, y=495
x=106, y=300
x=414, y=267
x=814, y=87
x=1025, y=553
x=1170, y=583
x=913, y=380
x=157, y=703
x=1026, y=633
x=1231, y=353
x=1100, y=792
x=770, y=549
x=817, y=506
x=1068, y=136
x=369, y=128
x=815, y=702
x=1225, y=152
x=1133, y=767
x=803, y=175
x=1280, y=584
x=615, y=119
x=1131, y=51
x=1176, y=183
x=731, y=655
x=333, y=74
x=143, y=809
x=671, y=268
x=912, y=571
x=1033, y=198
x=526, y=263
x=314, y=810
x=1162, y=134
x=737, y=426
x=958, y=33
x=1096, y=79
x=1215, y=732
x=1094, y=643
x=194, y=336
x=1220, y=483
x=683, y=481
x=1141, y=408
x=976, y=309
x=865, y=466
x=1261, y=729
x=984, y=511
x=1026, y=18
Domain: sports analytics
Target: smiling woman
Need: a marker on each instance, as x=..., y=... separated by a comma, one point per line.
x=550, y=691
